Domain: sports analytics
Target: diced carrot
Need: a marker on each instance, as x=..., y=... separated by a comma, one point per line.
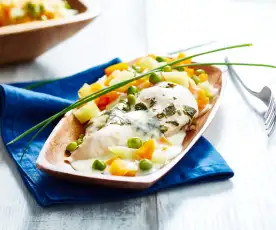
x=146, y=150
x=164, y=140
x=118, y=168
x=120, y=66
x=131, y=173
x=110, y=161
x=106, y=99
x=144, y=85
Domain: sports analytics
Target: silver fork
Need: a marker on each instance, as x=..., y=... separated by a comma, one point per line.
x=265, y=95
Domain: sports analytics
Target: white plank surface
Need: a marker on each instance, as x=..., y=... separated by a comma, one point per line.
x=132, y=28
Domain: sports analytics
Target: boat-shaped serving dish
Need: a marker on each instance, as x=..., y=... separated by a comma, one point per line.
x=26, y=41
x=52, y=157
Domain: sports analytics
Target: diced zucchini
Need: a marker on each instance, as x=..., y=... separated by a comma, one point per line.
x=148, y=63
x=159, y=157
x=123, y=152
x=84, y=91
x=180, y=78
x=86, y=112
x=121, y=76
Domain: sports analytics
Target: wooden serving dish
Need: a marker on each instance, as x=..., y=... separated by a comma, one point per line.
x=51, y=157
x=24, y=42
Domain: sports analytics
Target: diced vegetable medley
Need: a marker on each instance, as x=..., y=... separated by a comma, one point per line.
x=136, y=129
x=22, y=11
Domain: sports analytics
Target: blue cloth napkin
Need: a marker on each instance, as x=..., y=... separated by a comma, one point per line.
x=22, y=109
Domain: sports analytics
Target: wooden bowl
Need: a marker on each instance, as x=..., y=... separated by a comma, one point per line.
x=24, y=42
x=51, y=157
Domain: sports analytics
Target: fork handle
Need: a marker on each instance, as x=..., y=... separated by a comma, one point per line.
x=232, y=70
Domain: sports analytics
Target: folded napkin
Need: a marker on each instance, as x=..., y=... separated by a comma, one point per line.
x=22, y=109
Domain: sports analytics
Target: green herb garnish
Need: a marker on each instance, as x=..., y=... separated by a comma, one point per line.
x=189, y=111
x=170, y=110
x=140, y=106
x=175, y=123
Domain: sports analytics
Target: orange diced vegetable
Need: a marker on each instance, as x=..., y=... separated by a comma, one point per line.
x=164, y=140
x=108, y=79
x=120, y=66
x=118, y=168
x=190, y=72
x=110, y=161
x=96, y=87
x=203, y=77
x=106, y=99
x=131, y=173
x=146, y=150
x=202, y=99
x=182, y=55
x=144, y=85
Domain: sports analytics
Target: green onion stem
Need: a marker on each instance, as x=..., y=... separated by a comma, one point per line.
x=108, y=89
x=225, y=63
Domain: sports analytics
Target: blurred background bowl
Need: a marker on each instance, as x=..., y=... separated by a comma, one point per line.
x=24, y=42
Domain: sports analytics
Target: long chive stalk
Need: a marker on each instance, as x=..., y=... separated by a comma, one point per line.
x=35, y=85
x=93, y=96
x=224, y=63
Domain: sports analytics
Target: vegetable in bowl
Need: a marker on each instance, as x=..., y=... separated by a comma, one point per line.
x=23, y=11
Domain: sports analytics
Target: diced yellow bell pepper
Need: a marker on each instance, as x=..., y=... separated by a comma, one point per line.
x=120, y=66
x=146, y=150
x=203, y=77
x=118, y=168
x=182, y=55
x=202, y=99
x=190, y=71
x=96, y=87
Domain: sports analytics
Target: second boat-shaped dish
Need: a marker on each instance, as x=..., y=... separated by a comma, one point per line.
x=131, y=137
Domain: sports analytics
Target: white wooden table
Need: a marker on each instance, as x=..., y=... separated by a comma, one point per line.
x=131, y=28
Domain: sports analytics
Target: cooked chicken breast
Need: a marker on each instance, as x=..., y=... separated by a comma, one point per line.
x=159, y=110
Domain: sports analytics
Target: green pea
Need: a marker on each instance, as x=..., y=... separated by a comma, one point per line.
x=199, y=71
x=134, y=142
x=167, y=68
x=145, y=165
x=131, y=99
x=132, y=90
x=180, y=68
x=196, y=79
x=99, y=165
x=72, y=146
x=160, y=59
x=154, y=78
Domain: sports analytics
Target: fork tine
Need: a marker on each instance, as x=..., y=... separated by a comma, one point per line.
x=271, y=120
x=270, y=105
x=271, y=113
x=271, y=129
